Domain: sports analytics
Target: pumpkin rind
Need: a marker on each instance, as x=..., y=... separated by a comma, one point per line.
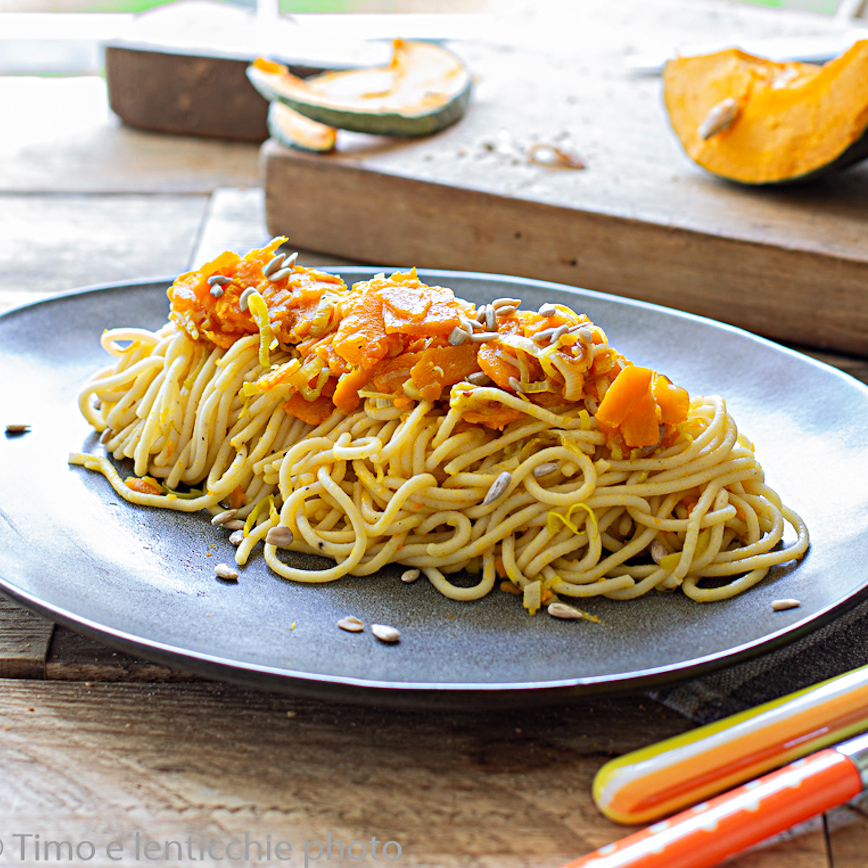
x=794, y=121
x=293, y=130
x=424, y=89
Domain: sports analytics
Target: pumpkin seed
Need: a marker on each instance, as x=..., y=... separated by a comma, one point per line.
x=385, y=633
x=781, y=605
x=498, y=487
x=409, y=576
x=546, y=469
x=280, y=536
x=720, y=116
x=351, y=624
x=225, y=572
x=564, y=612
x=222, y=517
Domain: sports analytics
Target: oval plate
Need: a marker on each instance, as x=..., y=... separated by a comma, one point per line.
x=142, y=579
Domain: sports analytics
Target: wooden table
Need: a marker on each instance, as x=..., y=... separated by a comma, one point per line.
x=97, y=747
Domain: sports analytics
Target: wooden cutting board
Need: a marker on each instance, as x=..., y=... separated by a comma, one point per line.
x=640, y=220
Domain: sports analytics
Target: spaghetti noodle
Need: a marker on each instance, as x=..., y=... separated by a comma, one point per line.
x=391, y=422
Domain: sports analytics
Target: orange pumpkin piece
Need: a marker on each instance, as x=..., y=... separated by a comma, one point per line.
x=313, y=412
x=641, y=427
x=440, y=367
x=391, y=375
x=361, y=338
x=492, y=363
x=417, y=309
x=143, y=485
x=497, y=417
x=625, y=392
x=673, y=401
x=346, y=395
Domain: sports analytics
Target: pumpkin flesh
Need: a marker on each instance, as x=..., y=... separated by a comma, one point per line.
x=793, y=120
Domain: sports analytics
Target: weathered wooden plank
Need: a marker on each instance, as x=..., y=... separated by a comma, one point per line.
x=72, y=143
x=102, y=762
x=24, y=641
x=83, y=240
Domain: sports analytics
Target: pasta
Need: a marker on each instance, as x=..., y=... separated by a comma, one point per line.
x=392, y=423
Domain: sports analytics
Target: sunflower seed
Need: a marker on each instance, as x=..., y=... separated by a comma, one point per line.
x=105, y=436
x=546, y=469
x=245, y=297
x=559, y=332
x=225, y=572
x=280, y=536
x=481, y=337
x=409, y=576
x=547, y=310
x=480, y=313
x=458, y=336
x=498, y=487
x=351, y=624
x=219, y=280
x=17, y=429
x=658, y=551
x=564, y=612
x=781, y=605
x=543, y=336
x=478, y=378
x=233, y=524
x=273, y=264
x=236, y=537
x=506, y=310
x=505, y=302
x=216, y=291
x=280, y=275
x=222, y=517
x=719, y=117
x=490, y=318
x=385, y=633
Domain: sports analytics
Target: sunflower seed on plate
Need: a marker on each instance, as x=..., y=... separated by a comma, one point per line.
x=544, y=335
x=236, y=537
x=385, y=633
x=564, y=612
x=409, y=576
x=781, y=605
x=219, y=280
x=478, y=378
x=351, y=624
x=280, y=536
x=225, y=572
x=546, y=469
x=506, y=310
x=547, y=310
x=216, y=291
x=498, y=487
x=223, y=517
x=233, y=524
x=481, y=337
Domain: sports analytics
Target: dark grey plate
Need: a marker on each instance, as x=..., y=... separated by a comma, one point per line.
x=143, y=579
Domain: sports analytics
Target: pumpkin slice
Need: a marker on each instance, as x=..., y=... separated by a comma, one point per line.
x=293, y=130
x=424, y=89
x=757, y=121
